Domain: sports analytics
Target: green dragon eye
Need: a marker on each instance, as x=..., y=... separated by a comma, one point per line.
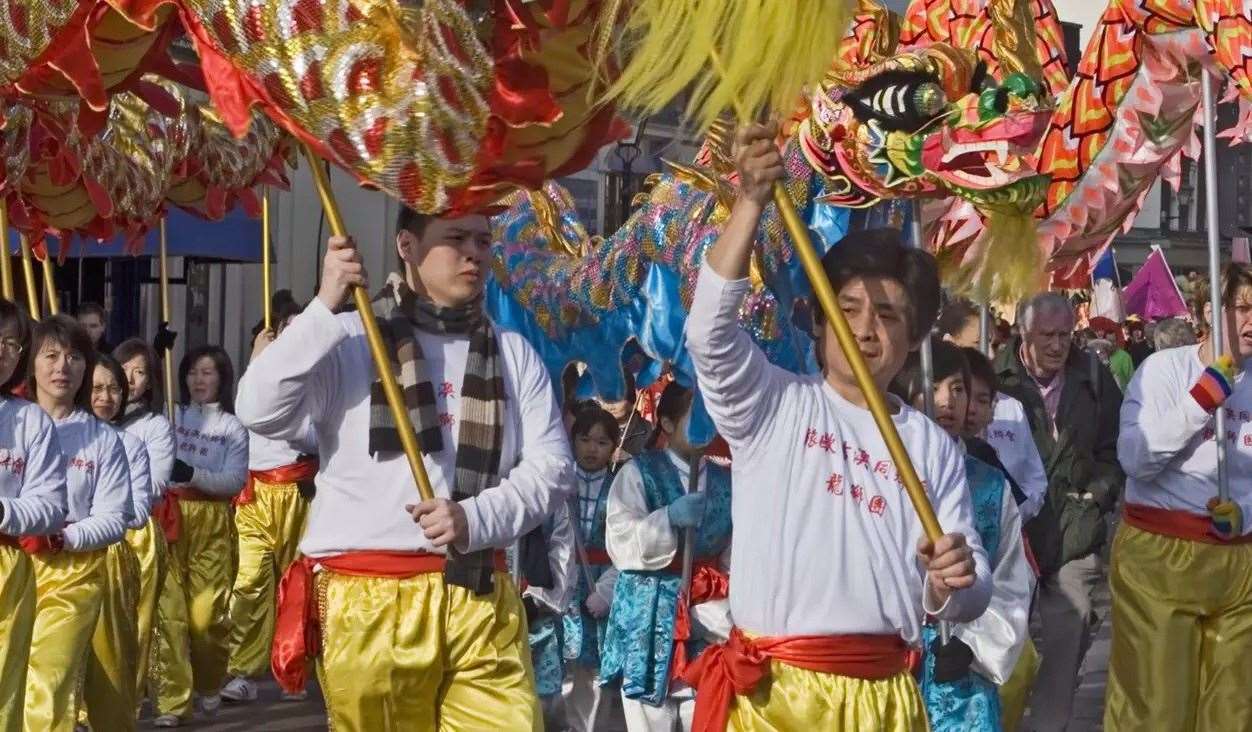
x=929, y=99
x=993, y=102
x=1021, y=86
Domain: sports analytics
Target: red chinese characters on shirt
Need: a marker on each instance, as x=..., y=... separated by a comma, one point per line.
x=12, y=462
x=86, y=466
x=837, y=484
x=447, y=390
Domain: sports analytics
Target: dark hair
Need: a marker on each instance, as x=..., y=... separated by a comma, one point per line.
x=955, y=314
x=225, y=375
x=879, y=253
x=413, y=222
x=66, y=332
x=91, y=308
x=115, y=368
x=980, y=369
x=946, y=360
x=590, y=415
x=673, y=404
x=12, y=316
x=131, y=348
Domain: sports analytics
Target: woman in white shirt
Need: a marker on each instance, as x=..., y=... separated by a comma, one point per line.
x=141, y=418
x=109, y=691
x=32, y=503
x=210, y=468
x=70, y=566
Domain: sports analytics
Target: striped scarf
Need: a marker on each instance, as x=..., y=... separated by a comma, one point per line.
x=481, y=431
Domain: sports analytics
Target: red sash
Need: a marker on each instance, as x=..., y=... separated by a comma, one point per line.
x=297, y=472
x=737, y=666
x=708, y=582
x=598, y=557
x=1176, y=524
x=44, y=544
x=169, y=515
x=297, y=623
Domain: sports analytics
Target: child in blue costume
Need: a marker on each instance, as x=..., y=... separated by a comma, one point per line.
x=545, y=610
x=650, y=505
x=594, y=435
x=960, y=680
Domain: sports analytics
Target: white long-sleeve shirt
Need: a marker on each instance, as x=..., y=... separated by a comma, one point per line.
x=561, y=561
x=825, y=537
x=97, y=480
x=141, y=488
x=320, y=368
x=588, y=500
x=267, y=454
x=215, y=443
x=1166, y=443
x=32, y=471
x=1009, y=433
x=998, y=635
x=643, y=540
x=158, y=438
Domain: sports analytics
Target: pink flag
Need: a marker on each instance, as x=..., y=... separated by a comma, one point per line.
x=1240, y=252
x=1153, y=294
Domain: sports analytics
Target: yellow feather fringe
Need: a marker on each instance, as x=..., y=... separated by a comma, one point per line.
x=1005, y=264
x=740, y=55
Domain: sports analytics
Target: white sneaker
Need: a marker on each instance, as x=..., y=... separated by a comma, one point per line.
x=209, y=705
x=239, y=689
x=167, y=720
x=298, y=696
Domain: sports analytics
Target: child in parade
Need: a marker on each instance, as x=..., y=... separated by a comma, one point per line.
x=70, y=567
x=545, y=601
x=650, y=639
x=141, y=417
x=32, y=504
x=210, y=468
x=833, y=572
x=595, y=436
x=960, y=678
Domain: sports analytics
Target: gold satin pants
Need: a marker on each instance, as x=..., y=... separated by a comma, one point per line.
x=17, y=624
x=416, y=654
x=69, y=589
x=1016, y=690
x=269, y=531
x=109, y=695
x=1182, y=635
x=192, y=623
x=791, y=698
x=152, y=553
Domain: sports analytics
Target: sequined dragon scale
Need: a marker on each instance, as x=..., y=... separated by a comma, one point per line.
x=441, y=108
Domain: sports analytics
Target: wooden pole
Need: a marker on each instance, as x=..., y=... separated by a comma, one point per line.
x=28, y=275
x=6, y=257
x=167, y=357
x=50, y=285
x=1213, y=231
x=265, y=257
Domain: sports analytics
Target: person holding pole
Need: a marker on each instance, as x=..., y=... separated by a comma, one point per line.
x=833, y=573
x=421, y=626
x=1182, y=558
x=651, y=503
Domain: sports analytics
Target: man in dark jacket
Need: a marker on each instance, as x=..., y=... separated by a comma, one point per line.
x=1073, y=405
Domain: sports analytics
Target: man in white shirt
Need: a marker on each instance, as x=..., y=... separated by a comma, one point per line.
x=832, y=572
x=1182, y=560
x=414, y=636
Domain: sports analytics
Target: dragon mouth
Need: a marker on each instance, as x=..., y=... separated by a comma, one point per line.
x=997, y=155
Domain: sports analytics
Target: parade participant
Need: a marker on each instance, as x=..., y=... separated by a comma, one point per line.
x=70, y=566
x=998, y=418
x=826, y=525
x=270, y=514
x=633, y=428
x=983, y=391
x=650, y=503
x=210, y=468
x=142, y=418
x=32, y=503
x=93, y=318
x=595, y=437
x=960, y=677
x=409, y=638
x=1182, y=560
x=545, y=606
x=110, y=696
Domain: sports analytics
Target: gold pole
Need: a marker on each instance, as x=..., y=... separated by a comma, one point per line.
x=168, y=356
x=50, y=285
x=6, y=257
x=408, y=436
x=28, y=274
x=265, y=256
